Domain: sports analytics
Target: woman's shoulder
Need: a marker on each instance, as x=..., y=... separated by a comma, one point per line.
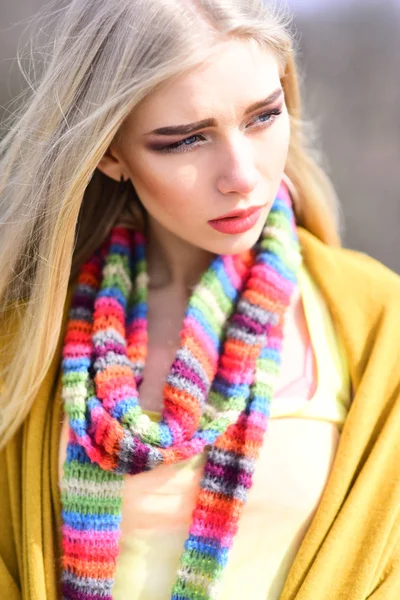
x=363, y=297
x=352, y=273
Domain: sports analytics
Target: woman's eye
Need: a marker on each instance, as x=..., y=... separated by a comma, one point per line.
x=269, y=116
x=182, y=144
x=188, y=143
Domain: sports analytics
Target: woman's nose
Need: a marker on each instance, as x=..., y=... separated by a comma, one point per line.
x=238, y=173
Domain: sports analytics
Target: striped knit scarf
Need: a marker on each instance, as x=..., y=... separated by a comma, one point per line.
x=216, y=398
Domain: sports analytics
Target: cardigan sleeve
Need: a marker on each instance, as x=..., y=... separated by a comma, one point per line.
x=30, y=512
x=7, y=583
x=10, y=487
x=9, y=571
x=389, y=586
x=9, y=506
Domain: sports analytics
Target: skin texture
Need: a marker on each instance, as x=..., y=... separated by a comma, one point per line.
x=236, y=163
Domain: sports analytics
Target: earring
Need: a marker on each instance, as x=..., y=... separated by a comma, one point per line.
x=122, y=185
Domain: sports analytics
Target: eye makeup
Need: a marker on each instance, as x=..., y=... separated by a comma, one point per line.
x=265, y=120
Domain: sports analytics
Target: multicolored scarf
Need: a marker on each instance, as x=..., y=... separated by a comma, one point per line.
x=216, y=398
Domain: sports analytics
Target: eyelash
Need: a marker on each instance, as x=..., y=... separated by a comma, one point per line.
x=182, y=146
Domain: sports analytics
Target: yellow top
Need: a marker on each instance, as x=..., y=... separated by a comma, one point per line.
x=258, y=562
x=351, y=550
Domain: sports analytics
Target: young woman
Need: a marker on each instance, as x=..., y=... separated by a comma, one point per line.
x=200, y=388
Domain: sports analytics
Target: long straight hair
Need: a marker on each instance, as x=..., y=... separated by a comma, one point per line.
x=100, y=60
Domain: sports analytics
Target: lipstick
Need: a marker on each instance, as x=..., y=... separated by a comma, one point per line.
x=237, y=221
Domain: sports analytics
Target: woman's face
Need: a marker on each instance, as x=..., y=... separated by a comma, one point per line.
x=232, y=159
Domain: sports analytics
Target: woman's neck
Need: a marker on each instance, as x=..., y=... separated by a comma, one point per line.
x=172, y=261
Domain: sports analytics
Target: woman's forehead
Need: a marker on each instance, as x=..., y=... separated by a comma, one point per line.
x=236, y=76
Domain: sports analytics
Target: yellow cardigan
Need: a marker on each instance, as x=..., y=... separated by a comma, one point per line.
x=352, y=548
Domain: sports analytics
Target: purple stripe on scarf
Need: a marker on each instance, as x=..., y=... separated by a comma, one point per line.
x=244, y=321
x=231, y=475
x=180, y=368
x=103, y=349
x=82, y=300
x=72, y=593
x=140, y=453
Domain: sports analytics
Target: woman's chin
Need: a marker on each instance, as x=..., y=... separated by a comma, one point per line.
x=231, y=244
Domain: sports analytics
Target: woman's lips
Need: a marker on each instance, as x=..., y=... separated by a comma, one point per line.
x=238, y=224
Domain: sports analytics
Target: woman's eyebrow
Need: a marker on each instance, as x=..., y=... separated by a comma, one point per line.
x=191, y=127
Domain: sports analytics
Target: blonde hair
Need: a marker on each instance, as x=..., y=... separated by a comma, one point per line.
x=101, y=59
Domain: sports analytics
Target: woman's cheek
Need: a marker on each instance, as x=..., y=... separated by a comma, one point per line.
x=181, y=188
x=173, y=193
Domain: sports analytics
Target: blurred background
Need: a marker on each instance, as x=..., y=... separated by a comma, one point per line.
x=349, y=55
x=349, y=59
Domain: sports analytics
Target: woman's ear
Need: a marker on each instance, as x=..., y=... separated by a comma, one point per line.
x=111, y=166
